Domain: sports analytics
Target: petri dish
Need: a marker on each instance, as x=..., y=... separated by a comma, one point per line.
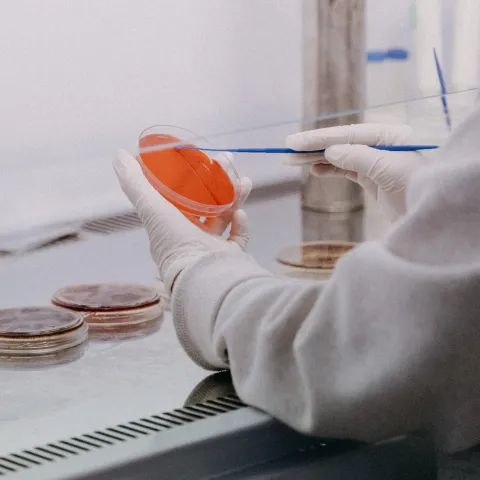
x=197, y=184
x=312, y=260
x=162, y=291
x=40, y=336
x=114, y=311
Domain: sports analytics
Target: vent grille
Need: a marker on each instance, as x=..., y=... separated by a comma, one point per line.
x=41, y=245
x=108, y=225
x=99, y=226
x=100, y=439
x=71, y=238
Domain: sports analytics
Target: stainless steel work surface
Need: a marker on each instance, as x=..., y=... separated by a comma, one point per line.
x=117, y=382
x=120, y=381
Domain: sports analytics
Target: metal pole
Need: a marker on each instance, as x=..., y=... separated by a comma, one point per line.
x=334, y=78
x=333, y=226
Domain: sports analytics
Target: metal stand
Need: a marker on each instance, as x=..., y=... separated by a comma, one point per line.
x=348, y=227
x=334, y=79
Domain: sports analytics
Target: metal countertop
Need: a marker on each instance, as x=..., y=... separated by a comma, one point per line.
x=117, y=381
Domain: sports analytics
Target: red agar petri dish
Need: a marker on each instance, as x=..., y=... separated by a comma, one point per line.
x=198, y=183
x=114, y=311
x=40, y=336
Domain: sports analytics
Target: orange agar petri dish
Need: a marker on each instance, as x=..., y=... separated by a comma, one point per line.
x=40, y=336
x=196, y=183
x=312, y=260
x=114, y=311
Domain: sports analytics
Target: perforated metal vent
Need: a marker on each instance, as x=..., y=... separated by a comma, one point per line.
x=28, y=245
x=72, y=238
x=100, y=439
x=118, y=223
x=98, y=226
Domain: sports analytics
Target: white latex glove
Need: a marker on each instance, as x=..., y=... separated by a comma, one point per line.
x=176, y=242
x=382, y=174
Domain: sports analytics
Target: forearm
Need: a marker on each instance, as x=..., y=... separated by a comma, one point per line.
x=197, y=297
x=362, y=356
x=388, y=345
x=309, y=353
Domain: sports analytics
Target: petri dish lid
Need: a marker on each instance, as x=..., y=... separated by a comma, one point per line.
x=106, y=297
x=318, y=255
x=37, y=321
x=202, y=183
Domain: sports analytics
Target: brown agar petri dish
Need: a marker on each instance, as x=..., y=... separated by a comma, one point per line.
x=114, y=311
x=40, y=336
x=162, y=291
x=312, y=260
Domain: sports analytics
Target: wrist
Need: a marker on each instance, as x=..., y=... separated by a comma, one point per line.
x=173, y=271
x=196, y=303
x=174, y=281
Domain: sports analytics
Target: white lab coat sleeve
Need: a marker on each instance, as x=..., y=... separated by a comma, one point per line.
x=390, y=344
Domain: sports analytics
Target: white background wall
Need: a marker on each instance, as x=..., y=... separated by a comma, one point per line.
x=389, y=24
x=79, y=78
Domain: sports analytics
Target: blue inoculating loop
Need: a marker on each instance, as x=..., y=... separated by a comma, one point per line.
x=389, y=148
x=443, y=88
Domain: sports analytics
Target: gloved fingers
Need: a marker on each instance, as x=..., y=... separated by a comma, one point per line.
x=329, y=170
x=218, y=225
x=130, y=176
x=299, y=159
x=368, y=185
x=145, y=199
x=361, y=159
x=239, y=233
x=195, y=220
x=362, y=133
x=353, y=176
x=322, y=170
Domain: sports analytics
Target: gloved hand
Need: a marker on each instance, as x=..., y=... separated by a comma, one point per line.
x=176, y=242
x=382, y=174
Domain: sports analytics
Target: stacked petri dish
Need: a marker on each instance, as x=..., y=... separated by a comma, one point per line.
x=162, y=291
x=312, y=260
x=40, y=336
x=114, y=311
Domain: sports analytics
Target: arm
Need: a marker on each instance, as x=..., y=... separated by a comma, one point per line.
x=388, y=345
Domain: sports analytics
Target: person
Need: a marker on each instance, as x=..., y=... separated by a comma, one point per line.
x=391, y=343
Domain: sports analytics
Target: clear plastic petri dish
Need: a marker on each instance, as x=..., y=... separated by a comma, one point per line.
x=40, y=336
x=114, y=311
x=197, y=183
x=312, y=260
x=162, y=291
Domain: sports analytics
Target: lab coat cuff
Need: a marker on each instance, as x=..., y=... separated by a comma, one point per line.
x=197, y=297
